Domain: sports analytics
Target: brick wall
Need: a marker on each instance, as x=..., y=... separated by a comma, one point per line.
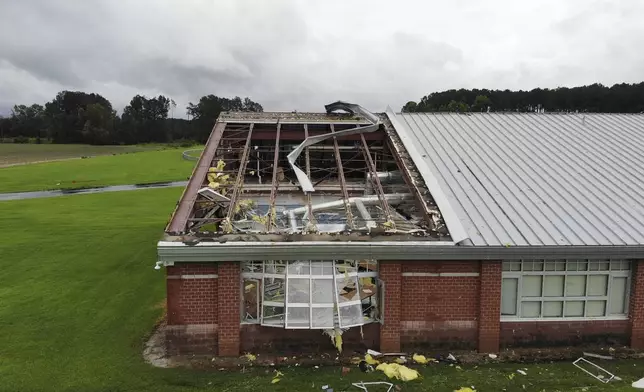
x=490, y=306
x=200, y=339
x=636, y=310
x=439, y=311
x=563, y=333
x=390, y=274
x=258, y=339
x=229, y=308
x=191, y=296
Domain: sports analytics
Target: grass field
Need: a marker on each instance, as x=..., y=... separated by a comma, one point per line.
x=78, y=295
x=140, y=167
x=11, y=153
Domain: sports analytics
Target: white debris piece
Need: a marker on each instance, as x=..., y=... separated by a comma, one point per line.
x=639, y=384
x=522, y=372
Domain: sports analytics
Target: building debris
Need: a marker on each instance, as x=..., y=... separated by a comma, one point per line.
x=364, y=385
x=277, y=377
x=598, y=372
x=399, y=372
x=522, y=372
x=597, y=356
x=466, y=389
x=421, y=359
x=374, y=353
x=639, y=384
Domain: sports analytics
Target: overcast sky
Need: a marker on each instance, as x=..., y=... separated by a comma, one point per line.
x=303, y=54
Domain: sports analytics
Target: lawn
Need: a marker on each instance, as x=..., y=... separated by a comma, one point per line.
x=78, y=295
x=12, y=153
x=134, y=168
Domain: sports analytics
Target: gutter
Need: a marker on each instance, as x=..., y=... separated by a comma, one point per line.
x=178, y=252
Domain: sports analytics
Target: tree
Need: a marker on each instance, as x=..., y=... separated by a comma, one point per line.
x=66, y=115
x=28, y=121
x=459, y=107
x=481, y=103
x=99, y=124
x=205, y=112
x=410, y=107
x=144, y=120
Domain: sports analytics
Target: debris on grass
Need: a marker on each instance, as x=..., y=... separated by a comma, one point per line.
x=598, y=356
x=421, y=359
x=365, y=367
x=374, y=353
x=522, y=372
x=250, y=357
x=399, y=372
x=493, y=356
x=639, y=384
x=598, y=372
x=363, y=385
x=466, y=389
x=369, y=359
x=400, y=360
x=345, y=370
x=277, y=377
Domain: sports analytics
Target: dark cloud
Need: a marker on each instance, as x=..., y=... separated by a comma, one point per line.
x=297, y=54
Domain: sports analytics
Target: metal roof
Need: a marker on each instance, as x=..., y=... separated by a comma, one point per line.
x=534, y=179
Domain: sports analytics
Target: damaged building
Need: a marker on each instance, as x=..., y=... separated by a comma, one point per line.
x=300, y=231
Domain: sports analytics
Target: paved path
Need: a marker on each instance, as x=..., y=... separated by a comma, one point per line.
x=65, y=192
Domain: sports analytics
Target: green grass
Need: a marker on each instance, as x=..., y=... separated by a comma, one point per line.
x=141, y=167
x=78, y=295
x=11, y=153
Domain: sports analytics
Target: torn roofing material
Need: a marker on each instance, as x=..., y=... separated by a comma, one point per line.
x=306, y=175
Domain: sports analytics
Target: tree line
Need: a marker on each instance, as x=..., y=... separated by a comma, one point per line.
x=79, y=117
x=620, y=98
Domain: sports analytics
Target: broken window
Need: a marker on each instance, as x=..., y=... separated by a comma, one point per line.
x=538, y=289
x=311, y=294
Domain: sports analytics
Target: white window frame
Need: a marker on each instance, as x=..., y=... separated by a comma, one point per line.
x=259, y=270
x=610, y=273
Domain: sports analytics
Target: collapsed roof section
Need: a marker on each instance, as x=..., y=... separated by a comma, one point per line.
x=339, y=175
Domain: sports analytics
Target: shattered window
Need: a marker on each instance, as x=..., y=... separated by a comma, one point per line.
x=538, y=289
x=307, y=294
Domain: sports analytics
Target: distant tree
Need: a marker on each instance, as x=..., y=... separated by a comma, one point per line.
x=144, y=120
x=455, y=106
x=410, y=107
x=205, y=112
x=481, y=103
x=99, y=124
x=66, y=115
x=28, y=121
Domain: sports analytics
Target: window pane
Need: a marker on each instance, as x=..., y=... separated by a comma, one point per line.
x=323, y=291
x=574, y=308
x=595, y=308
x=575, y=286
x=597, y=285
x=274, y=289
x=531, y=286
x=347, y=289
x=552, y=309
x=322, y=318
x=577, y=265
x=618, y=296
x=553, y=286
x=322, y=268
x=250, y=300
x=298, y=317
x=298, y=291
x=299, y=268
x=533, y=265
x=599, y=266
x=555, y=266
x=530, y=309
x=511, y=266
x=351, y=315
x=273, y=315
x=509, y=296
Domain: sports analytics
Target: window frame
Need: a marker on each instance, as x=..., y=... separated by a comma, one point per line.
x=512, y=273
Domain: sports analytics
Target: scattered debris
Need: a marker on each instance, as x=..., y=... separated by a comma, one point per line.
x=466, y=389
x=605, y=377
x=325, y=387
x=399, y=372
x=522, y=372
x=374, y=353
x=345, y=370
x=365, y=367
x=400, y=360
x=639, y=384
x=277, y=377
x=250, y=357
x=597, y=356
x=452, y=358
x=363, y=385
x=369, y=359
x=493, y=356
x=421, y=359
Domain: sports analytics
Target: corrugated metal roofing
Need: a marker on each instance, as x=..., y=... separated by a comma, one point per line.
x=537, y=179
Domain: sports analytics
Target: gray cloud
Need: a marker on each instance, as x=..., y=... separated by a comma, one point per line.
x=297, y=54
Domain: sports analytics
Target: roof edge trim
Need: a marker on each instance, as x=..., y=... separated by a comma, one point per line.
x=454, y=225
